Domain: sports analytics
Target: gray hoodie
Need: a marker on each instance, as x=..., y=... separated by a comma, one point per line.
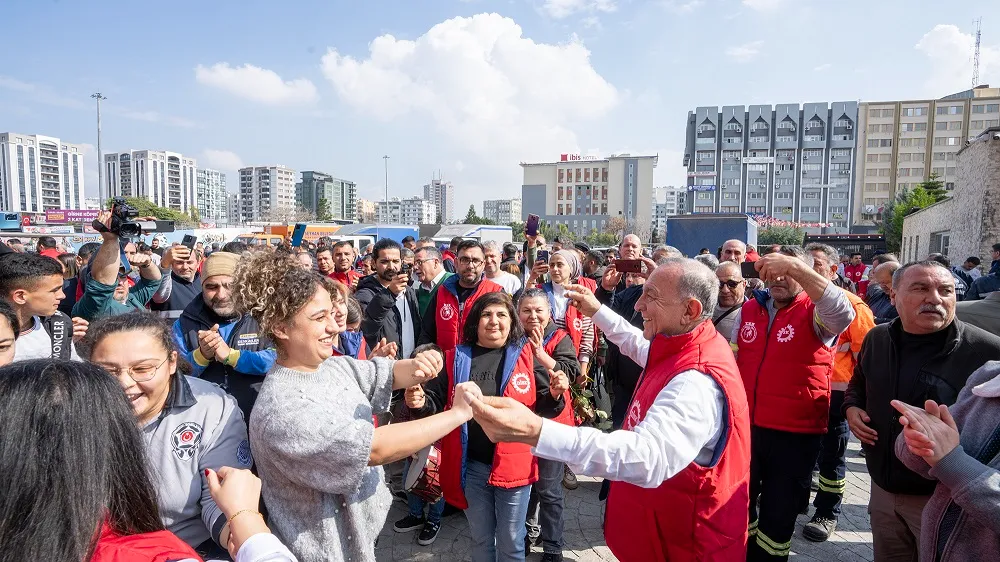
x=961, y=522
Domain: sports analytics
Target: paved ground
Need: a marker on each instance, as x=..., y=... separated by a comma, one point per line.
x=585, y=540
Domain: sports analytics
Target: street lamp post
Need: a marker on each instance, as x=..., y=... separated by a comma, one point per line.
x=100, y=155
x=386, y=160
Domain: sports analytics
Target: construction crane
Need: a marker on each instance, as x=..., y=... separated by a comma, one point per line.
x=975, y=57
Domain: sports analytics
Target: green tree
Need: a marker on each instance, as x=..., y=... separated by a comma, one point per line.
x=906, y=202
x=195, y=215
x=472, y=218
x=934, y=187
x=601, y=239
x=439, y=220
x=323, y=210
x=517, y=231
x=785, y=235
x=146, y=208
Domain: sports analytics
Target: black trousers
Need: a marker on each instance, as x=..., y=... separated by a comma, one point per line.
x=781, y=466
x=832, y=462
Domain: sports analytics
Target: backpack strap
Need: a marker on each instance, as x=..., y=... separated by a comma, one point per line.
x=59, y=327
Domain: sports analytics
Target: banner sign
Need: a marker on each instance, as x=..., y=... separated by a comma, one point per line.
x=63, y=216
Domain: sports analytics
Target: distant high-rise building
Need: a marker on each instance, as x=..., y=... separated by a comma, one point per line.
x=901, y=143
x=340, y=196
x=793, y=163
x=442, y=194
x=665, y=203
x=411, y=210
x=365, y=211
x=165, y=178
x=584, y=193
x=267, y=193
x=211, y=195
x=39, y=172
x=502, y=211
x=233, y=208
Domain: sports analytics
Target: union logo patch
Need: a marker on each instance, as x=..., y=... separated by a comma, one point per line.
x=447, y=312
x=632, y=419
x=520, y=382
x=786, y=334
x=748, y=333
x=185, y=440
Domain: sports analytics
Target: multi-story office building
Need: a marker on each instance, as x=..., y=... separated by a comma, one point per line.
x=233, y=208
x=789, y=162
x=502, y=211
x=211, y=195
x=410, y=210
x=442, y=194
x=165, y=178
x=365, y=211
x=39, y=172
x=902, y=143
x=339, y=196
x=267, y=193
x=666, y=202
x=584, y=193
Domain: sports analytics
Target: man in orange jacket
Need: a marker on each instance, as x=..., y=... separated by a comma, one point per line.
x=832, y=463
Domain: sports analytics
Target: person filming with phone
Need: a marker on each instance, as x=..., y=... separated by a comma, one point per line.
x=107, y=292
x=389, y=302
x=181, y=281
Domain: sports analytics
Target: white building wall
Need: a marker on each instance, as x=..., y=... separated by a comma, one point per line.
x=39, y=172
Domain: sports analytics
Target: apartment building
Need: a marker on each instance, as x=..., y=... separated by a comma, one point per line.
x=39, y=172
x=410, y=210
x=902, y=143
x=339, y=196
x=211, y=195
x=442, y=194
x=267, y=193
x=790, y=162
x=502, y=211
x=168, y=179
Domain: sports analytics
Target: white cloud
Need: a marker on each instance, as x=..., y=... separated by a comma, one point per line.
x=256, y=84
x=226, y=160
x=745, y=52
x=763, y=5
x=949, y=52
x=822, y=67
x=152, y=117
x=564, y=8
x=490, y=91
x=682, y=7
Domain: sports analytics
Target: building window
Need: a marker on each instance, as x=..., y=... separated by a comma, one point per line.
x=838, y=195
x=754, y=195
x=703, y=209
x=560, y=177
x=950, y=110
x=783, y=195
x=731, y=209
x=810, y=195
x=810, y=209
x=705, y=195
x=730, y=195
x=914, y=111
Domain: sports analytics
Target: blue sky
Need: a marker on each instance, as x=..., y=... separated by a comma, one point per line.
x=467, y=87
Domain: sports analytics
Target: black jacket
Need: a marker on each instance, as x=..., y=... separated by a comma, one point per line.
x=381, y=317
x=622, y=371
x=877, y=380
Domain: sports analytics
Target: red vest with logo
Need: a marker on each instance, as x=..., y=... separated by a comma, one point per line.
x=786, y=370
x=513, y=463
x=347, y=278
x=451, y=314
x=856, y=273
x=574, y=323
x=567, y=415
x=701, y=513
x=158, y=546
x=592, y=285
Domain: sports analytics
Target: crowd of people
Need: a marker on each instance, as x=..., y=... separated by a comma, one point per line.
x=184, y=403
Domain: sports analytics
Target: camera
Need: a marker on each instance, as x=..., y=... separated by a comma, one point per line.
x=123, y=224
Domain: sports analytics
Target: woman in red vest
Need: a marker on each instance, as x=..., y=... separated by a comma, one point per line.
x=73, y=487
x=565, y=269
x=491, y=482
x=553, y=349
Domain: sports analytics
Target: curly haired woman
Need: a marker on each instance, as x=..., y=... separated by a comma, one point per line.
x=311, y=430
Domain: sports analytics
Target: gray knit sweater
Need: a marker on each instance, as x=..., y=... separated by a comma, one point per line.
x=972, y=531
x=311, y=436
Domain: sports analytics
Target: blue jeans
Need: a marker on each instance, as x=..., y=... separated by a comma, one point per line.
x=545, y=509
x=496, y=516
x=416, y=503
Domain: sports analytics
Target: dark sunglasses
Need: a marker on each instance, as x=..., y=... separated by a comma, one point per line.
x=731, y=284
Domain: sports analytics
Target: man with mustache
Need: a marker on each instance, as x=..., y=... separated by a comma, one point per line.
x=925, y=354
x=222, y=345
x=786, y=340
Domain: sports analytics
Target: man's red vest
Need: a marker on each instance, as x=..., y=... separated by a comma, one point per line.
x=513, y=463
x=701, y=513
x=856, y=273
x=567, y=415
x=346, y=277
x=786, y=369
x=159, y=546
x=451, y=314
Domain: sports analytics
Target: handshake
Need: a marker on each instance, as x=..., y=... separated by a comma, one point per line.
x=502, y=419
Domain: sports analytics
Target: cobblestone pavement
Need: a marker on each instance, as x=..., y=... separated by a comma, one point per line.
x=585, y=540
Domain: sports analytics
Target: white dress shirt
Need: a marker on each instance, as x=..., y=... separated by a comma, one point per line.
x=683, y=425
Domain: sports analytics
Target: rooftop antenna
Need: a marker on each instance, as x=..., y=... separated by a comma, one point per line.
x=975, y=60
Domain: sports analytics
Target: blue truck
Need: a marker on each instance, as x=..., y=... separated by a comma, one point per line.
x=691, y=233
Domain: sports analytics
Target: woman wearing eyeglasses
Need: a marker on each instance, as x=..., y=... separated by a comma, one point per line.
x=188, y=425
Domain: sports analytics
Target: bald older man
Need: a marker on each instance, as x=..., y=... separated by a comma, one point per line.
x=680, y=466
x=736, y=252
